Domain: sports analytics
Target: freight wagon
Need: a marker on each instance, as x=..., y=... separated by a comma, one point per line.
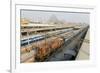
x=44, y=48
x=47, y=47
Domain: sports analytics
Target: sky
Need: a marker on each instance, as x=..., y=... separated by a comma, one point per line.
x=65, y=16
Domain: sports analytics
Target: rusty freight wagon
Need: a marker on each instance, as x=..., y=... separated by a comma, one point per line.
x=44, y=47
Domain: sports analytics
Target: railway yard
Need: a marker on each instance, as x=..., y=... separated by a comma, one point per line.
x=51, y=43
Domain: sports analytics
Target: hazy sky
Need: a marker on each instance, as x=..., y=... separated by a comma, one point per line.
x=45, y=15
